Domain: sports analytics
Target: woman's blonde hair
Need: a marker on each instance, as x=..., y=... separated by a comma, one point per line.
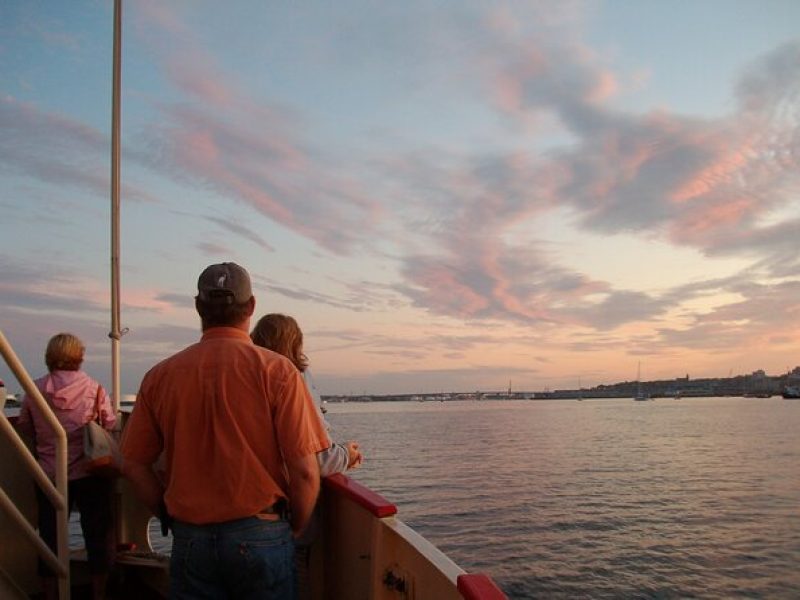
x=64, y=353
x=281, y=334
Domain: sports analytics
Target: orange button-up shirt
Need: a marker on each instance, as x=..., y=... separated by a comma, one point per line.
x=225, y=413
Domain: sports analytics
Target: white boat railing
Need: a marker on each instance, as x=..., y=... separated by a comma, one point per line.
x=57, y=494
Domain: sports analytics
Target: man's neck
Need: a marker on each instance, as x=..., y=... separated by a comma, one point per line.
x=243, y=326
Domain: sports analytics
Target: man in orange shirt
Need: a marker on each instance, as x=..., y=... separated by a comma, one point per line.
x=239, y=434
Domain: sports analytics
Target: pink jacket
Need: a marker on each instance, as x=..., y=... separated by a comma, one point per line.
x=72, y=396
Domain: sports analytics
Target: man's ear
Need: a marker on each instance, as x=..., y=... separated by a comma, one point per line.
x=251, y=306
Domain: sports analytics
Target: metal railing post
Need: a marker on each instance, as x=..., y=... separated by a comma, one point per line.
x=59, y=498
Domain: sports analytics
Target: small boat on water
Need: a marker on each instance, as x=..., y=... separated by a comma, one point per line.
x=791, y=392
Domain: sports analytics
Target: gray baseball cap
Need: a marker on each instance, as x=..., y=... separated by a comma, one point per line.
x=224, y=283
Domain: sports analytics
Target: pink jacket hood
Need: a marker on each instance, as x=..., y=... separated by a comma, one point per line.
x=67, y=390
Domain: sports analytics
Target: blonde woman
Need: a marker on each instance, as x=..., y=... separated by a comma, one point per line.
x=76, y=399
x=281, y=334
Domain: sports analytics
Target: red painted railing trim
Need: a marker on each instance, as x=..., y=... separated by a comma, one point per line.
x=477, y=586
x=361, y=495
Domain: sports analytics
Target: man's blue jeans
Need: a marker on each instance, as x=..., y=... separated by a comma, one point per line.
x=247, y=558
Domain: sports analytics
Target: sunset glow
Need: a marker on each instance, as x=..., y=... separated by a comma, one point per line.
x=446, y=197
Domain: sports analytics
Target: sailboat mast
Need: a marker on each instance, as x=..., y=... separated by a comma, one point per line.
x=639, y=380
x=115, y=334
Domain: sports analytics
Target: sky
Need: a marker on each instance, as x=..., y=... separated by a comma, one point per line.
x=448, y=196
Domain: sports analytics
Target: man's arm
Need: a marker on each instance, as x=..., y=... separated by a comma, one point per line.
x=145, y=484
x=303, y=489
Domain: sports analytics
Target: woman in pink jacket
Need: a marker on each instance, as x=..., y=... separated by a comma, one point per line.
x=76, y=399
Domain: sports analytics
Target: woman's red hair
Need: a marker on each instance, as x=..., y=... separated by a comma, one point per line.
x=281, y=334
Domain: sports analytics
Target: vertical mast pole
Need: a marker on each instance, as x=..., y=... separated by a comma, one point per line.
x=115, y=334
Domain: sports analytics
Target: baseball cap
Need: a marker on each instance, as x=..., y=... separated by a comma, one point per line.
x=224, y=283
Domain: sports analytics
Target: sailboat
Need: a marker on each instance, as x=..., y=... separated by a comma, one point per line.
x=640, y=395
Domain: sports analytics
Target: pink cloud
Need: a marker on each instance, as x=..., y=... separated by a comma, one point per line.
x=199, y=148
x=604, y=86
x=657, y=172
x=508, y=93
x=451, y=296
x=160, y=15
x=228, y=140
x=550, y=74
x=144, y=299
x=188, y=64
x=239, y=153
x=700, y=225
x=201, y=83
x=717, y=174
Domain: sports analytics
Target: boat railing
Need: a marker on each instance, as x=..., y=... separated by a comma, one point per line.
x=56, y=494
x=367, y=552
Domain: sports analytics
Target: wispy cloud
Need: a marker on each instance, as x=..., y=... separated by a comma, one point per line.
x=355, y=296
x=46, y=29
x=221, y=246
x=57, y=150
x=764, y=312
x=240, y=231
x=249, y=150
x=28, y=287
x=702, y=183
x=213, y=249
x=459, y=156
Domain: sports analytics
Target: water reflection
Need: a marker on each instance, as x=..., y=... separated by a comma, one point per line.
x=609, y=498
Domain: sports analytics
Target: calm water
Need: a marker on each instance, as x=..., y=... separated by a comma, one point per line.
x=692, y=498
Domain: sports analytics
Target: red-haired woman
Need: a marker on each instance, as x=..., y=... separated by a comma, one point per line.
x=281, y=334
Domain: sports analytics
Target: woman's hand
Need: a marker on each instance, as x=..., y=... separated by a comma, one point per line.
x=355, y=458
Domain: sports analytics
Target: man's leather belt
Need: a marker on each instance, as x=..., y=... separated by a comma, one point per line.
x=273, y=513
